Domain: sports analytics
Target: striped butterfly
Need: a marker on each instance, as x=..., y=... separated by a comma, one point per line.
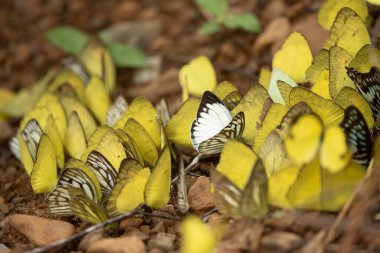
x=78, y=175
x=251, y=202
x=32, y=134
x=369, y=86
x=103, y=170
x=358, y=135
x=116, y=111
x=214, y=125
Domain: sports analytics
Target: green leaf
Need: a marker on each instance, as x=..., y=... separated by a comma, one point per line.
x=209, y=27
x=67, y=38
x=127, y=56
x=105, y=36
x=216, y=7
x=245, y=21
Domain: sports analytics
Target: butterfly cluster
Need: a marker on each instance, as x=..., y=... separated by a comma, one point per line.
x=280, y=143
x=93, y=158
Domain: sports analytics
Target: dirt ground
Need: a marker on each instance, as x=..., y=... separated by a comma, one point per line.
x=25, y=56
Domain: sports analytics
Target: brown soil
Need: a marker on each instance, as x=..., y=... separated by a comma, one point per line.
x=25, y=56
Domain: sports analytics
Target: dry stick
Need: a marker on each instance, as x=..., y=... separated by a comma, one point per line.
x=359, y=210
x=62, y=242
x=366, y=188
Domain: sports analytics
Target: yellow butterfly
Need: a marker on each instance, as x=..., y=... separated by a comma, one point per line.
x=139, y=185
x=322, y=175
x=240, y=184
x=198, y=76
x=348, y=32
x=330, y=8
x=192, y=228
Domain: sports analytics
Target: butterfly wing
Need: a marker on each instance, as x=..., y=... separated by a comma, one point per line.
x=232, y=99
x=116, y=110
x=103, y=170
x=254, y=198
x=358, y=135
x=59, y=201
x=226, y=195
x=233, y=130
x=83, y=207
x=369, y=86
x=212, y=117
x=32, y=135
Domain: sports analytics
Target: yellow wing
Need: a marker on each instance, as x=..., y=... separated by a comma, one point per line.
x=303, y=141
x=330, y=9
x=157, y=190
x=348, y=31
x=348, y=96
x=320, y=63
x=198, y=75
x=335, y=153
x=326, y=109
x=142, y=111
x=294, y=58
x=178, y=128
x=85, y=208
x=75, y=139
x=99, y=62
x=67, y=76
x=128, y=192
x=97, y=98
x=254, y=104
x=106, y=142
x=44, y=174
x=339, y=59
x=272, y=119
x=321, y=86
x=88, y=122
x=51, y=130
x=143, y=140
x=47, y=104
x=193, y=229
x=367, y=57
x=236, y=170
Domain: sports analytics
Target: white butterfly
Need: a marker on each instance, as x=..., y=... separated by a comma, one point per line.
x=214, y=125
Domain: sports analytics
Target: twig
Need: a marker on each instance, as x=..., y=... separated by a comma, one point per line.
x=62, y=242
